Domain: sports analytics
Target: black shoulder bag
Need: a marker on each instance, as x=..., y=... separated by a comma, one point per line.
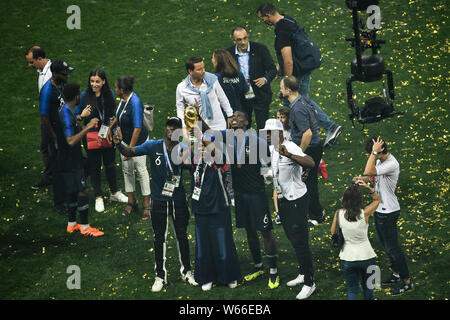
x=337, y=239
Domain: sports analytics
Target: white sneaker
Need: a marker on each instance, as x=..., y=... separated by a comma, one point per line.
x=232, y=284
x=158, y=285
x=207, y=286
x=332, y=135
x=119, y=197
x=99, y=206
x=300, y=279
x=189, y=277
x=306, y=292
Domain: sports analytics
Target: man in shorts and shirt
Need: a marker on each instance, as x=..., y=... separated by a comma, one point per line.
x=287, y=163
x=70, y=162
x=168, y=199
x=382, y=165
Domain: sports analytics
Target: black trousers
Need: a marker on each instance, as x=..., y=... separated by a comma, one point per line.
x=51, y=170
x=95, y=158
x=315, y=208
x=160, y=213
x=387, y=230
x=294, y=219
x=261, y=111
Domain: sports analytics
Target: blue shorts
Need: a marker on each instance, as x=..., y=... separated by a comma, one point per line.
x=252, y=211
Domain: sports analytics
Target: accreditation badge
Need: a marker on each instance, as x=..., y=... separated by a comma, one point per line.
x=168, y=189
x=176, y=180
x=196, y=193
x=103, y=131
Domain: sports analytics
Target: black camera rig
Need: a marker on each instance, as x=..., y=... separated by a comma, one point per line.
x=368, y=68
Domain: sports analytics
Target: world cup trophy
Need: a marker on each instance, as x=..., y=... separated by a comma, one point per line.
x=190, y=118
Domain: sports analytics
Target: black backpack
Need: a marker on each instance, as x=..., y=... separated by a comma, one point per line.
x=305, y=53
x=376, y=109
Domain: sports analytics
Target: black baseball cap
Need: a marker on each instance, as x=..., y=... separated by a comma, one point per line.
x=61, y=67
x=175, y=121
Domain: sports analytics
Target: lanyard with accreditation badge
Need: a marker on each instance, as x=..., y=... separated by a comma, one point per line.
x=198, y=182
x=275, y=173
x=172, y=181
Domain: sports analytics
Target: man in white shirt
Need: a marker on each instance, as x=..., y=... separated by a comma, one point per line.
x=203, y=87
x=382, y=165
x=287, y=162
x=36, y=59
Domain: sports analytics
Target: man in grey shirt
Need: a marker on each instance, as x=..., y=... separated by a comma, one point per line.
x=304, y=123
x=382, y=165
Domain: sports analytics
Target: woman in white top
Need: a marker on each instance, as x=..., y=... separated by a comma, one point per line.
x=356, y=254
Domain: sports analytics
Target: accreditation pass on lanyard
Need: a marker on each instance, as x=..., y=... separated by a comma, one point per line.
x=174, y=180
x=276, y=183
x=198, y=183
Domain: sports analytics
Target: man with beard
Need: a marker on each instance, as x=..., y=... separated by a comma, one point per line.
x=168, y=199
x=51, y=98
x=256, y=64
x=203, y=87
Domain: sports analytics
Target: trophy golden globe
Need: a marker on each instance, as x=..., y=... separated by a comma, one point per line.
x=190, y=118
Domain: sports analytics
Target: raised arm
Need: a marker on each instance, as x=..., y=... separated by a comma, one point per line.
x=370, y=209
x=125, y=151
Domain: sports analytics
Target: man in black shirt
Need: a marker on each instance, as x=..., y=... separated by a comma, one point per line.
x=252, y=207
x=285, y=26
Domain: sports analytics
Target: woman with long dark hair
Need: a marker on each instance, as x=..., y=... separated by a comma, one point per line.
x=98, y=99
x=357, y=255
x=230, y=78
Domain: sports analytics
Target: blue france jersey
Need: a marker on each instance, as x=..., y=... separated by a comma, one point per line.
x=160, y=169
x=50, y=100
x=68, y=158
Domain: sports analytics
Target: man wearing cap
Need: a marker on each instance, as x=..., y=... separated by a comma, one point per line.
x=51, y=98
x=203, y=87
x=258, y=68
x=287, y=163
x=168, y=198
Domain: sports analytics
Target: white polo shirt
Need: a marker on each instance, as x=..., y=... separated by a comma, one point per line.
x=289, y=172
x=217, y=98
x=44, y=75
x=385, y=183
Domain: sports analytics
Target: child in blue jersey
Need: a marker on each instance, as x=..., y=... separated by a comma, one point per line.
x=70, y=162
x=168, y=198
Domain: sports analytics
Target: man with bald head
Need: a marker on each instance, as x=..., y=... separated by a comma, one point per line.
x=36, y=59
x=258, y=68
